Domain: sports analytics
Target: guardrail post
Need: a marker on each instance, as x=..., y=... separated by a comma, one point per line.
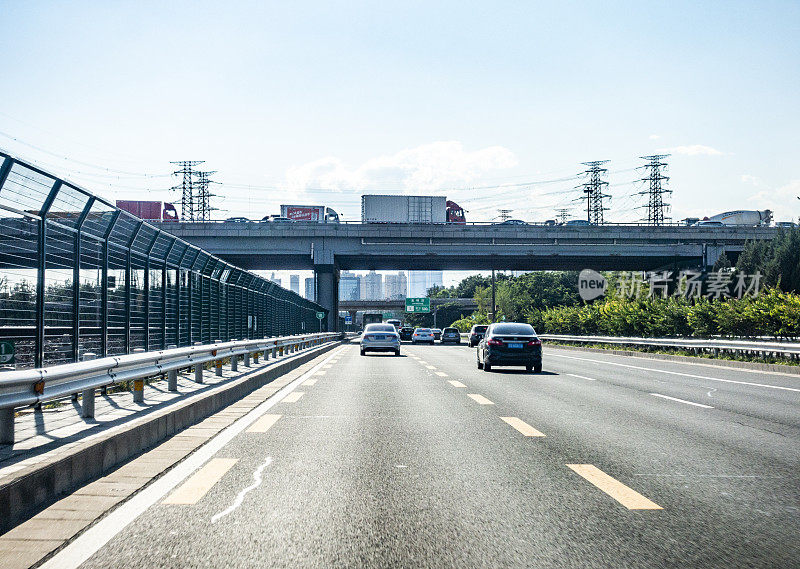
x=255, y=357
x=7, y=426
x=247, y=359
x=266, y=354
x=198, y=368
x=234, y=360
x=138, y=384
x=275, y=352
x=218, y=363
x=172, y=375
x=87, y=400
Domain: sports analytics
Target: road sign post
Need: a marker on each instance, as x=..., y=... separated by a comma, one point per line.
x=320, y=316
x=421, y=305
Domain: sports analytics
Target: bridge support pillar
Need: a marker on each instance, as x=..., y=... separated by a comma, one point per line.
x=711, y=254
x=326, y=276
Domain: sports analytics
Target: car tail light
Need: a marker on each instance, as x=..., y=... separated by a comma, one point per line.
x=494, y=342
x=535, y=342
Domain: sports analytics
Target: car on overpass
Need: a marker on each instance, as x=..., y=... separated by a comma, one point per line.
x=512, y=222
x=574, y=222
x=510, y=344
x=380, y=338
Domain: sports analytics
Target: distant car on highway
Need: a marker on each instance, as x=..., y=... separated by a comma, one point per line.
x=437, y=333
x=422, y=335
x=279, y=219
x=578, y=222
x=476, y=334
x=237, y=220
x=706, y=223
x=396, y=323
x=380, y=338
x=512, y=222
x=785, y=224
x=451, y=335
x=550, y=222
x=406, y=333
x=510, y=344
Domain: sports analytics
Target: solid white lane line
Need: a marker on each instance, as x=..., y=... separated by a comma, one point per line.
x=257, y=479
x=679, y=373
x=90, y=541
x=681, y=400
x=580, y=376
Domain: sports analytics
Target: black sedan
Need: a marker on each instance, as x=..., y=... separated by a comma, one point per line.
x=406, y=333
x=510, y=344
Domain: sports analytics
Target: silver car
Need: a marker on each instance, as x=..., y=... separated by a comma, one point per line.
x=380, y=338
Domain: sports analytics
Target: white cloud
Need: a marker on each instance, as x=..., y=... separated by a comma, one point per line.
x=654, y=137
x=749, y=179
x=694, y=150
x=427, y=167
x=782, y=201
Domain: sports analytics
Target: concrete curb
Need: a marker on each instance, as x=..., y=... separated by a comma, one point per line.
x=39, y=485
x=755, y=366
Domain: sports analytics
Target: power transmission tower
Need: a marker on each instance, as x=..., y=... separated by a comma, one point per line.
x=593, y=189
x=562, y=214
x=655, y=176
x=504, y=214
x=204, y=195
x=188, y=208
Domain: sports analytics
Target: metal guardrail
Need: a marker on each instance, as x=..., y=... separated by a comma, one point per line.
x=33, y=386
x=780, y=349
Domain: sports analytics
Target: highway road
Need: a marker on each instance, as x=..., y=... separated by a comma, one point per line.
x=426, y=461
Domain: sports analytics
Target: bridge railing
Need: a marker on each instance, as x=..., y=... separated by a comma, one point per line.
x=34, y=386
x=78, y=275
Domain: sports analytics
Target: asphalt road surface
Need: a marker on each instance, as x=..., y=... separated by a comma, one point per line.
x=425, y=461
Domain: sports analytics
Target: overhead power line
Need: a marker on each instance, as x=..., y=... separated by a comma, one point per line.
x=189, y=210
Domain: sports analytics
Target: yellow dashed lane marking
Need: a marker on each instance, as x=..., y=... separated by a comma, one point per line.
x=455, y=383
x=522, y=427
x=628, y=497
x=311, y=381
x=263, y=424
x=441, y=374
x=293, y=397
x=192, y=491
x=479, y=399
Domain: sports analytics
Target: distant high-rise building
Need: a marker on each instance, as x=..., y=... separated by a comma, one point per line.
x=294, y=283
x=373, y=286
x=275, y=279
x=310, y=289
x=422, y=281
x=349, y=286
x=395, y=286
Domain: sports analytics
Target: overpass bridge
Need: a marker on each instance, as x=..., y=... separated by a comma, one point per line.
x=399, y=305
x=328, y=248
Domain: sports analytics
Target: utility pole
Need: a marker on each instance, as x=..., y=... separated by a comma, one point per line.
x=204, y=196
x=494, y=302
x=593, y=190
x=504, y=214
x=188, y=208
x=655, y=203
x=562, y=214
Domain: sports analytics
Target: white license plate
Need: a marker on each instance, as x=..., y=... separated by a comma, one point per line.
x=515, y=345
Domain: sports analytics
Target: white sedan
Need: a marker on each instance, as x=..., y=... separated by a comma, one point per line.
x=423, y=335
x=380, y=338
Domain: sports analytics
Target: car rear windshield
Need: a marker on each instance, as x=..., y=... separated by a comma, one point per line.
x=480, y=328
x=451, y=329
x=514, y=329
x=423, y=330
x=379, y=328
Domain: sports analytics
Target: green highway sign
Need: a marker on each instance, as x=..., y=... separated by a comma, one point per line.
x=418, y=304
x=320, y=315
x=6, y=352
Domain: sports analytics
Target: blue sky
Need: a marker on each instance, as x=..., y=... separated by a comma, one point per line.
x=322, y=102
